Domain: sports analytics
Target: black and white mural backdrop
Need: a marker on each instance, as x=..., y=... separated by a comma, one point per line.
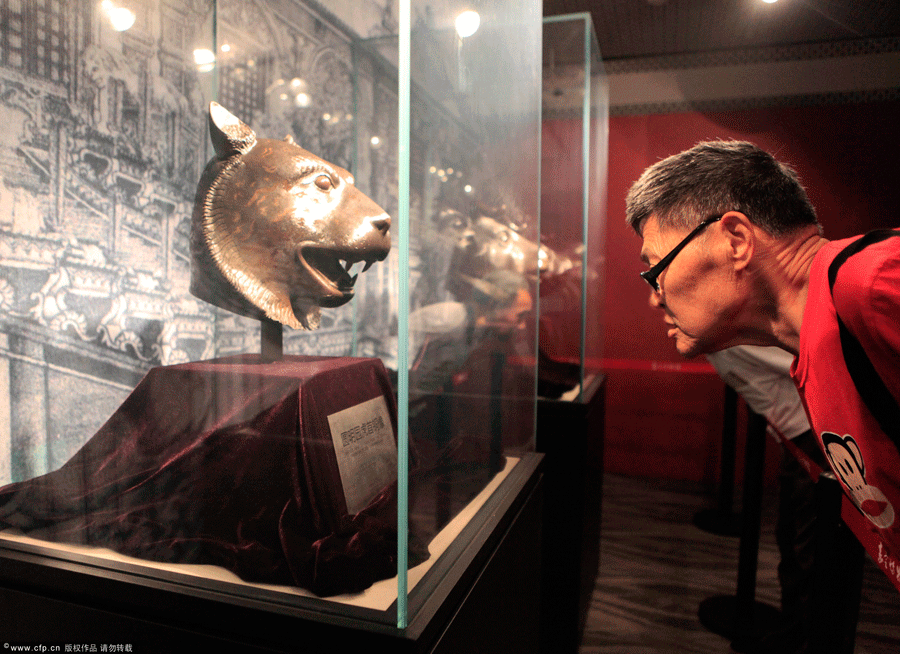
x=103, y=107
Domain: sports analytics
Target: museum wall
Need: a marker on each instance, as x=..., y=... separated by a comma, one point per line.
x=666, y=422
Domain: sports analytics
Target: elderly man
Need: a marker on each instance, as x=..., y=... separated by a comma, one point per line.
x=761, y=375
x=737, y=256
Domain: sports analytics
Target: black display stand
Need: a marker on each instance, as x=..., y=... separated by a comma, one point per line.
x=739, y=617
x=722, y=519
x=570, y=434
x=482, y=595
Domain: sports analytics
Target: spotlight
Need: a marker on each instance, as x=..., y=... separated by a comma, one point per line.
x=467, y=23
x=205, y=59
x=120, y=18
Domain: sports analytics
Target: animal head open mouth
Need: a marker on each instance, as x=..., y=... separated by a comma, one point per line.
x=330, y=270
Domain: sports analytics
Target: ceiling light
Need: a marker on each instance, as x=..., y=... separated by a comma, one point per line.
x=120, y=18
x=205, y=59
x=467, y=23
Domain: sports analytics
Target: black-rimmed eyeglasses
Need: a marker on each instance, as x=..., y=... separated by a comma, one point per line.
x=650, y=276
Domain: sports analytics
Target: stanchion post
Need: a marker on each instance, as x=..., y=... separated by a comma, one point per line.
x=729, y=453
x=722, y=520
x=752, y=620
x=740, y=617
x=837, y=573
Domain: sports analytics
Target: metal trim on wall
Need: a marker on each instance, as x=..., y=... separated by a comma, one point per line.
x=822, y=50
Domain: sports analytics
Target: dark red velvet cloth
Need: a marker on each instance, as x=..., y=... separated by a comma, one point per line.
x=226, y=462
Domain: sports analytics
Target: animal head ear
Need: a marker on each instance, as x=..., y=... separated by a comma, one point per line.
x=228, y=133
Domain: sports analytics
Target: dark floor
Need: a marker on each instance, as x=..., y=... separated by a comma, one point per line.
x=656, y=567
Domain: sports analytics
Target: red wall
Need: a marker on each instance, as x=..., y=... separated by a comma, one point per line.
x=663, y=423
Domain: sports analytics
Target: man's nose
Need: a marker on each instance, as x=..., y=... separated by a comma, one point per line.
x=655, y=299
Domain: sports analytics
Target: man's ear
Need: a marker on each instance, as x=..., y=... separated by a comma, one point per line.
x=741, y=238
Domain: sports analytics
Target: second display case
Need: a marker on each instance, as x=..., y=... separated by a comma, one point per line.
x=570, y=418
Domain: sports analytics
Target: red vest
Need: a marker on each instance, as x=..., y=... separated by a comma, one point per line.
x=864, y=459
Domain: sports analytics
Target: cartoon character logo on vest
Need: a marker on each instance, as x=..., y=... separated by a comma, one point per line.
x=847, y=461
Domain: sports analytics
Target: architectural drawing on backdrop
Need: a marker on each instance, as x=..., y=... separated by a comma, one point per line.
x=105, y=138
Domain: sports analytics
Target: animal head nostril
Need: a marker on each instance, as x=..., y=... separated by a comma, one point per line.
x=382, y=224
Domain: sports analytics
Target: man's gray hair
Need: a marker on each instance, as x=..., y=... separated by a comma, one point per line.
x=715, y=177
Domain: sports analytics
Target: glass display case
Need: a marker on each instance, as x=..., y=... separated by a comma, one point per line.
x=575, y=135
x=147, y=436
x=571, y=385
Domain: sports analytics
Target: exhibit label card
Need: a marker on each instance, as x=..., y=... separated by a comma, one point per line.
x=365, y=449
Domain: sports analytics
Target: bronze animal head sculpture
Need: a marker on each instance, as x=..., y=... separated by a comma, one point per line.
x=276, y=230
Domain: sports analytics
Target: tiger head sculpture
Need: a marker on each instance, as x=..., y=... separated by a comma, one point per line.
x=275, y=229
